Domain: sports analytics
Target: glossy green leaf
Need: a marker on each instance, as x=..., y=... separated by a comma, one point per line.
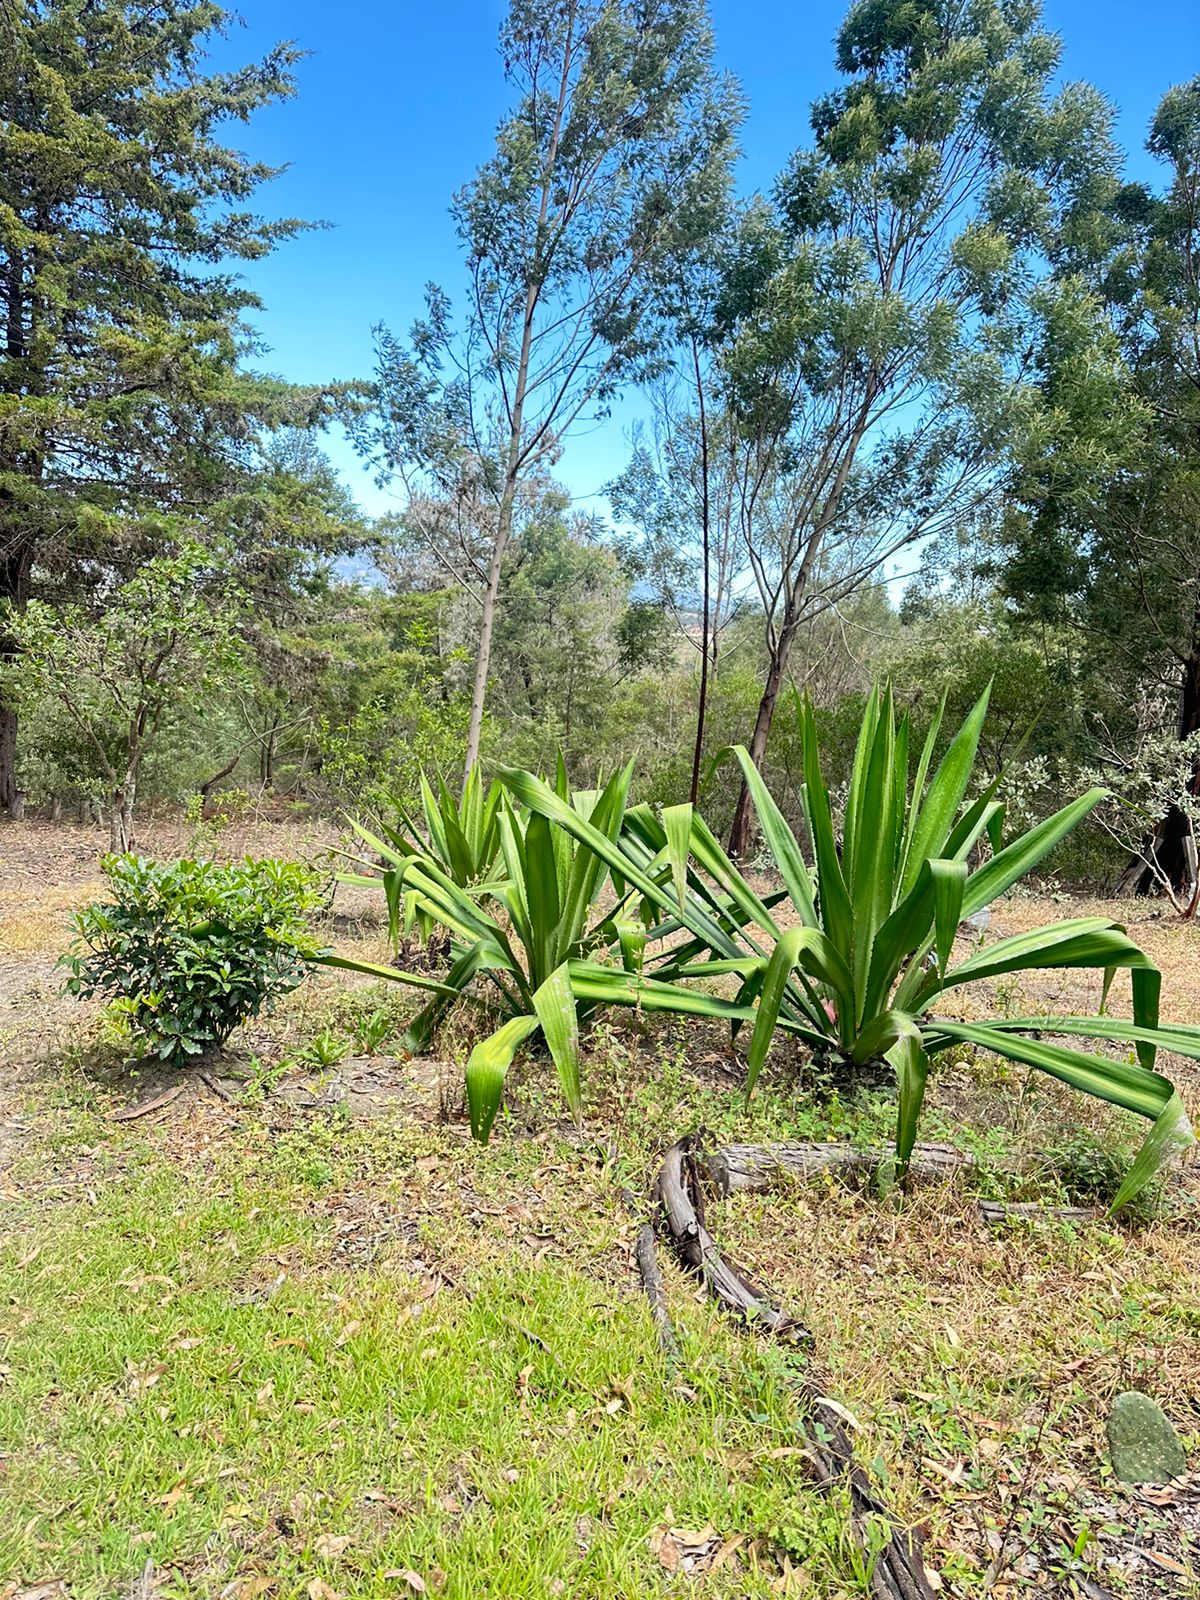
x=554, y=1006
x=1020, y=857
x=780, y=841
x=487, y=1068
x=798, y=947
x=907, y=1056
x=677, y=824
x=932, y=823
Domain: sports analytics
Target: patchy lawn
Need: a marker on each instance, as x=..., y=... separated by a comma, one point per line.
x=293, y=1335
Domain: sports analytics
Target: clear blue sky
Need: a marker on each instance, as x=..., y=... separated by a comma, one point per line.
x=398, y=105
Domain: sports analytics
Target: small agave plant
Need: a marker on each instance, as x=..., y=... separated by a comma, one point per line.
x=514, y=930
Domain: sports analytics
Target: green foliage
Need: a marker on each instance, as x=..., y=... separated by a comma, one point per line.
x=325, y=1049
x=122, y=211
x=463, y=835
x=163, y=643
x=193, y=950
x=518, y=929
x=877, y=914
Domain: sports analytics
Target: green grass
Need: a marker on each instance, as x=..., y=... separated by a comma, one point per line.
x=190, y=1379
x=307, y=1361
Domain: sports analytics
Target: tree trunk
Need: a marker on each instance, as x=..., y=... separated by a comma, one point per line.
x=1172, y=844
x=739, y=833
x=517, y=452
x=120, y=822
x=205, y=788
x=706, y=613
x=56, y=808
x=16, y=567
x=16, y=809
x=487, y=623
x=269, y=750
x=16, y=536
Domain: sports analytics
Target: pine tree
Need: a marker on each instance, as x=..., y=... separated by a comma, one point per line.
x=122, y=217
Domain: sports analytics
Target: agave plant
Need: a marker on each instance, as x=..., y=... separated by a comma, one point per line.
x=873, y=949
x=461, y=836
x=516, y=931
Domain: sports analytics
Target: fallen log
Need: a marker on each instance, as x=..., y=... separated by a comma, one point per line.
x=682, y=1201
x=759, y=1166
x=997, y=1212
x=652, y=1282
x=897, y=1571
x=755, y=1167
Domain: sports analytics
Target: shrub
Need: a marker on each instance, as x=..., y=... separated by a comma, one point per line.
x=193, y=949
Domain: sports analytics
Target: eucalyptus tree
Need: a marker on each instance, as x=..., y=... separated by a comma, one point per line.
x=612, y=156
x=885, y=307
x=121, y=323
x=1119, y=560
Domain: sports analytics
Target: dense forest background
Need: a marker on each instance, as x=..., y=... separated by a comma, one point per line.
x=929, y=409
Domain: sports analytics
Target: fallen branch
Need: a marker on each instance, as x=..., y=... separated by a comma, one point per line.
x=207, y=1079
x=646, y=1255
x=997, y=1212
x=143, y=1107
x=652, y=1282
x=758, y=1166
x=897, y=1571
x=731, y=1285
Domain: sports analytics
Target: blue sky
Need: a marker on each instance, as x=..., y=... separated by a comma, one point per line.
x=398, y=105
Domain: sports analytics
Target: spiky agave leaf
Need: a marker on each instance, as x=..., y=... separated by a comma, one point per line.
x=889, y=902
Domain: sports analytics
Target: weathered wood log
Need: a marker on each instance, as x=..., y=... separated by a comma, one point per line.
x=997, y=1212
x=738, y=1167
x=734, y=1288
x=758, y=1166
x=646, y=1256
x=898, y=1572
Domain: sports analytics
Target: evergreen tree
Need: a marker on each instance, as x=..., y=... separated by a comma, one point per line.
x=122, y=214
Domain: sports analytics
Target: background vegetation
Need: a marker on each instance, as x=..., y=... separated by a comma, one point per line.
x=951, y=342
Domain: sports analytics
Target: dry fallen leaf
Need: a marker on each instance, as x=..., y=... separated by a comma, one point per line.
x=726, y=1551
x=664, y=1547
x=414, y=1580
x=330, y=1545
x=840, y=1410
x=254, y=1587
